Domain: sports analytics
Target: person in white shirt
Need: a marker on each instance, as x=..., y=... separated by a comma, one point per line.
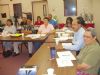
x=8, y=29
x=77, y=42
x=46, y=27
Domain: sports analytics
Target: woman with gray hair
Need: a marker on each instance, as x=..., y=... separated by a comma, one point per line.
x=89, y=56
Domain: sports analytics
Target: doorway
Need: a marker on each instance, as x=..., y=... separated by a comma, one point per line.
x=39, y=8
x=17, y=12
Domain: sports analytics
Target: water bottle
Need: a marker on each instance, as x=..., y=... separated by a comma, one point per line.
x=52, y=52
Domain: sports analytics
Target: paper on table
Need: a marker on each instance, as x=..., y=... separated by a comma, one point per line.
x=69, y=31
x=70, y=37
x=33, y=36
x=60, y=33
x=42, y=34
x=66, y=44
x=63, y=63
x=5, y=35
x=61, y=38
x=66, y=55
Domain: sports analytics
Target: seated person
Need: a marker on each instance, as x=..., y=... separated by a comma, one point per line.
x=82, y=21
x=77, y=41
x=89, y=56
x=28, y=30
x=68, y=24
x=8, y=29
x=24, y=21
x=69, y=21
x=51, y=21
x=38, y=22
x=46, y=27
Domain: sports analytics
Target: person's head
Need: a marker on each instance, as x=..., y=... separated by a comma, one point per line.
x=50, y=16
x=69, y=21
x=81, y=21
x=9, y=22
x=24, y=19
x=38, y=18
x=75, y=25
x=46, y=21
x=29, y=21
x=89, y=36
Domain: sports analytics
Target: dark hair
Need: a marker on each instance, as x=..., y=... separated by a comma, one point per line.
x=46, y=18
x=81, y=21
x=69, y=19
x=38, y=17
x=10, y=21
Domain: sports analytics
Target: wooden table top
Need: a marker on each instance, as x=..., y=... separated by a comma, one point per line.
x=20, y=38
x=41, y=59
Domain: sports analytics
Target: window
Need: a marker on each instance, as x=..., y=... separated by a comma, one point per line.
x=70, y=7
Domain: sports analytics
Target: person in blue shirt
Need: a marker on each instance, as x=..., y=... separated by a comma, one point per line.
x=77, y=42
x=52, y=21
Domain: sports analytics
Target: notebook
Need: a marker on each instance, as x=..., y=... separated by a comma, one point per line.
x=27, y=70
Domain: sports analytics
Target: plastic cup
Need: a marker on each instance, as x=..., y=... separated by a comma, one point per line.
x=57, y=41
x=50, y=71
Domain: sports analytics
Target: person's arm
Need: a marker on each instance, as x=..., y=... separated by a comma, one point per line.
x=77, y=45
x=83, y=66
x=90, y=60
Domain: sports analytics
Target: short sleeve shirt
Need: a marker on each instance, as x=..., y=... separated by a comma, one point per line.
x=47, y=29
x=90, y=55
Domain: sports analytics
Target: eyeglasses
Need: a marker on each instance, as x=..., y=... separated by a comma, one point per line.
x=87, y=36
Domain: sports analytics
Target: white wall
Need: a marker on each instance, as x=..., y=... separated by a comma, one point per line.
x=56, y=7
x=84, y=5
x=26, y=5
x=96, y=8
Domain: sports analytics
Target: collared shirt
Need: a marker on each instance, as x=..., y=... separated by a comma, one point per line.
x=28, y=27
x=47, y=29
x=77, y=42
x=10, y=29
x=90, y=55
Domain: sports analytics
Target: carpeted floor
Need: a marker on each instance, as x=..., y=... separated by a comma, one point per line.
x=10, y=65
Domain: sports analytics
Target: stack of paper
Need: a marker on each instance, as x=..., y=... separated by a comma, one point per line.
x=65, y=59
x=61, y=38
x=66, y=44
x=67, y=55
x=33, y=36
x=63, y=63
x=42, y=35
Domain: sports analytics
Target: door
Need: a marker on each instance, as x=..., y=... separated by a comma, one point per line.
x=17, y=10
x=4, y=13
x=40, y=8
